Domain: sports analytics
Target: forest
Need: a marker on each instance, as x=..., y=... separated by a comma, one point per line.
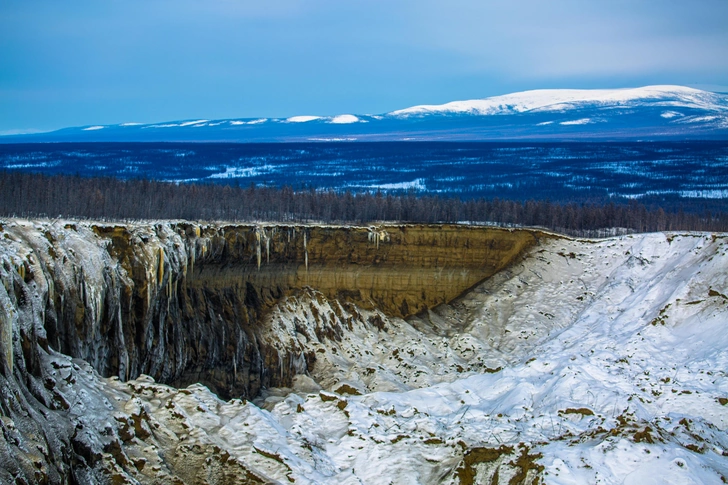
x=106, y=198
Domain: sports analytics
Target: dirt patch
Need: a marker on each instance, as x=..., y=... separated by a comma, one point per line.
x=494, y=465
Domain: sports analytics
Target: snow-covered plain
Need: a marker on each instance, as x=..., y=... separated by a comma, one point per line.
x=587, y=362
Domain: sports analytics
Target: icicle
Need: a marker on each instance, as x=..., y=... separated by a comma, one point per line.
x=149, y=289
x=267, y=249
x=193, y=253
x=124, y=366
x=160, y=268
x=169, y=290
x=257, y=246
x=51, y=289
x=280, y=364
x=6, y=333
x=305, y=249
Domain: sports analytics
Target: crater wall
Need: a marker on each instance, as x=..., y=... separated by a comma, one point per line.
x=181, y=301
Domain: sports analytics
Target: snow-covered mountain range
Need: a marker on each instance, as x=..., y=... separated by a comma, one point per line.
x=565, y=100
x=651, y=112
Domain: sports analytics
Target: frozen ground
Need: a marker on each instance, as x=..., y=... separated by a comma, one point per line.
x=588, y=362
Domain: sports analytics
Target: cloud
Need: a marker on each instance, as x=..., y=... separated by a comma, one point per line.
x=89, y=62
x=531, y=38
x=27, y=131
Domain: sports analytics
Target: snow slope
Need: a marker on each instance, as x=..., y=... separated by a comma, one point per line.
x=588, y=362
x=561, y=100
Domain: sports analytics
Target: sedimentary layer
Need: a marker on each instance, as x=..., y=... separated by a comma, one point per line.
x=181, y=302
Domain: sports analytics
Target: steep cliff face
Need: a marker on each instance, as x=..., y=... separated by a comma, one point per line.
x=181, y=302
x=188, y=303
x=400, y=270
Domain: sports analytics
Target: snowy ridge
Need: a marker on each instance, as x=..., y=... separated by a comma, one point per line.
x=344, y=119
x=565, y=99
x=540, y=100
x=302, y=119
x=657, y=112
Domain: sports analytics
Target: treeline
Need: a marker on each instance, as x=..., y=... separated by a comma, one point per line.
x=38, y=195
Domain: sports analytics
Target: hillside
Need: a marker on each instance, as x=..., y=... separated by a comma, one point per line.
x=549, y=358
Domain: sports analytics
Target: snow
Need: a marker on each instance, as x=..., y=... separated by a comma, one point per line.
x=94, y=128
x=193, y=123
x=164, y=125
x=344, y=119
x=131, y=124
x=336, y=120
x=252, y=122
x=705, y=194
x=34, y=165
x=569, y=332
x=598, y=343
x=302, y=119
x=242, y=172
x=719, y=121
x=334, y=139
x=606, y=360
x=669, y=97
x=582, y=121
x=670, y=114
x=417, y=184
x=563, y=99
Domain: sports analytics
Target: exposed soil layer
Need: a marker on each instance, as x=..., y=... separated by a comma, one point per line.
x=181, y=302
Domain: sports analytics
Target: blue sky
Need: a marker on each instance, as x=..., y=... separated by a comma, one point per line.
x=79, y=62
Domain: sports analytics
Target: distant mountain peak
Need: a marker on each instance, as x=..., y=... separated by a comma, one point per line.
x=563, y=99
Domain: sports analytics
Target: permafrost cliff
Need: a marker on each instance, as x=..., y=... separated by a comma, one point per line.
x=403, y=354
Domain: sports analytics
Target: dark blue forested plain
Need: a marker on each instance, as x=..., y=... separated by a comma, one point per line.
x=672, y=173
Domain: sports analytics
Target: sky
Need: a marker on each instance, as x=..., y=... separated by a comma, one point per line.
x=88, y=62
